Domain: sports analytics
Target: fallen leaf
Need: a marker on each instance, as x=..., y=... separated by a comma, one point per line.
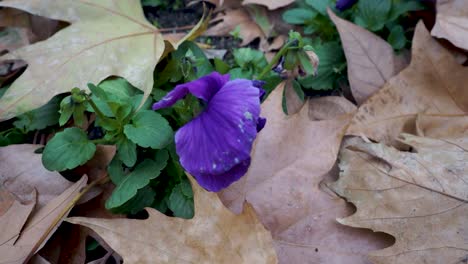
x=418, y=197
x=434, y=83
x=105, y=38
x=14, y=38
x=272, y=5
x=39, y=227
x=292, y=157
x=22, y=170
x=440, y=126
x=14, y=217
x=451, y=20
x=213, y=235
x=371, y=60
x=232, y=18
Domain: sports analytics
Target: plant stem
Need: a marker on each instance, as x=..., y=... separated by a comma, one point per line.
x=96, y=109
x=99, y=141
x=275, y=59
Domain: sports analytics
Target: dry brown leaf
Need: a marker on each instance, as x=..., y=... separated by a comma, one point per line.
x=213, y=235
x=420, y=198
x=371, y=60
x=292, y=158
x=38, y=228
x=14, y=217
x=451, y=21
x=272, y=5
x=441, y=126
x=14, y=38
x=22, y=169
x=434, y=83
x=227, y=22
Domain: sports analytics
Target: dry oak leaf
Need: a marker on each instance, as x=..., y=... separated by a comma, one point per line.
x=213, y=235
x=451, y=21
x=271, y=5
x=292, y=157
x=371, y=60
x=433, y=83
x=105, y=38
x=442, y=126
x=232, y=18
x=38, y=228
x=420, y=198
x=21, y=170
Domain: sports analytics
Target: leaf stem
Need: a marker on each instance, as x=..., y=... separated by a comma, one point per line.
x=96, y=108
x=275, y=59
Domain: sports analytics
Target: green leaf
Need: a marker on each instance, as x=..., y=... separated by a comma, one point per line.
x=331, y=60
x=143, y=198
x=181, y=200
x=397, y=37
x=401, y=7
x=373, y=14
x=127, y=152
x=67, y=150
x=137, y=179
x=320, y=5
x=149, y=129
x=298, y=89
x=66, y=110
x=10, y=137
x=221, y=66
x=299, y=16
x=44, y=116
x=116, y=172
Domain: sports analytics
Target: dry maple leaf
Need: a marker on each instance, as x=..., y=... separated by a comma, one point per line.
x=451, y=21
x=420, y=198
x=292, y=158
x=434, y=83
x=213, y=235
x=105, y=38
x=371, y=60
x=40, y=226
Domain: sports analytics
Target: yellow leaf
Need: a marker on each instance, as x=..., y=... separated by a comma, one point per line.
x=105, y=38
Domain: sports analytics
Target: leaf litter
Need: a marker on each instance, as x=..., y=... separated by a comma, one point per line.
x=400, y=155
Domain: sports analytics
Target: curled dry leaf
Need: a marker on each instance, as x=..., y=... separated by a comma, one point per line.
x=213, y=235
x=440, y=126
x=272, y=5
x=420, y=198
x=232, y=18
x=371, y=60
x=22, y=170
x=292, y=158
x=451, y=21
x=434, y=83
x=39, y=227
x=105, y=38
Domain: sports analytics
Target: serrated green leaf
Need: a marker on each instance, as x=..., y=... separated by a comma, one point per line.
x=67, y=150
x=44, y=116
x=127, y=152
x=149, y=129
x=144, y=198
x=180, y=200
x=137, y=179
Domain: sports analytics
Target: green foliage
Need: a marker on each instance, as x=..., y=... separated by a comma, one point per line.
x=128, y=186
x=149, y=129
x=67, y=149
x=180, y=200
x=44, y=116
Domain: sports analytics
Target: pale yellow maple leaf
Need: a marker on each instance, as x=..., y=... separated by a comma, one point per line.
x=106, y=37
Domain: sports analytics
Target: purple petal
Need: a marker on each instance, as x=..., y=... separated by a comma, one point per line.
x=344, y=4
x=261, y=123
x=212, y=145
x=203, y=88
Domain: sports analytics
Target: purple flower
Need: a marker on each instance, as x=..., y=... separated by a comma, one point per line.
x=215, y=146
x=344, y=4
